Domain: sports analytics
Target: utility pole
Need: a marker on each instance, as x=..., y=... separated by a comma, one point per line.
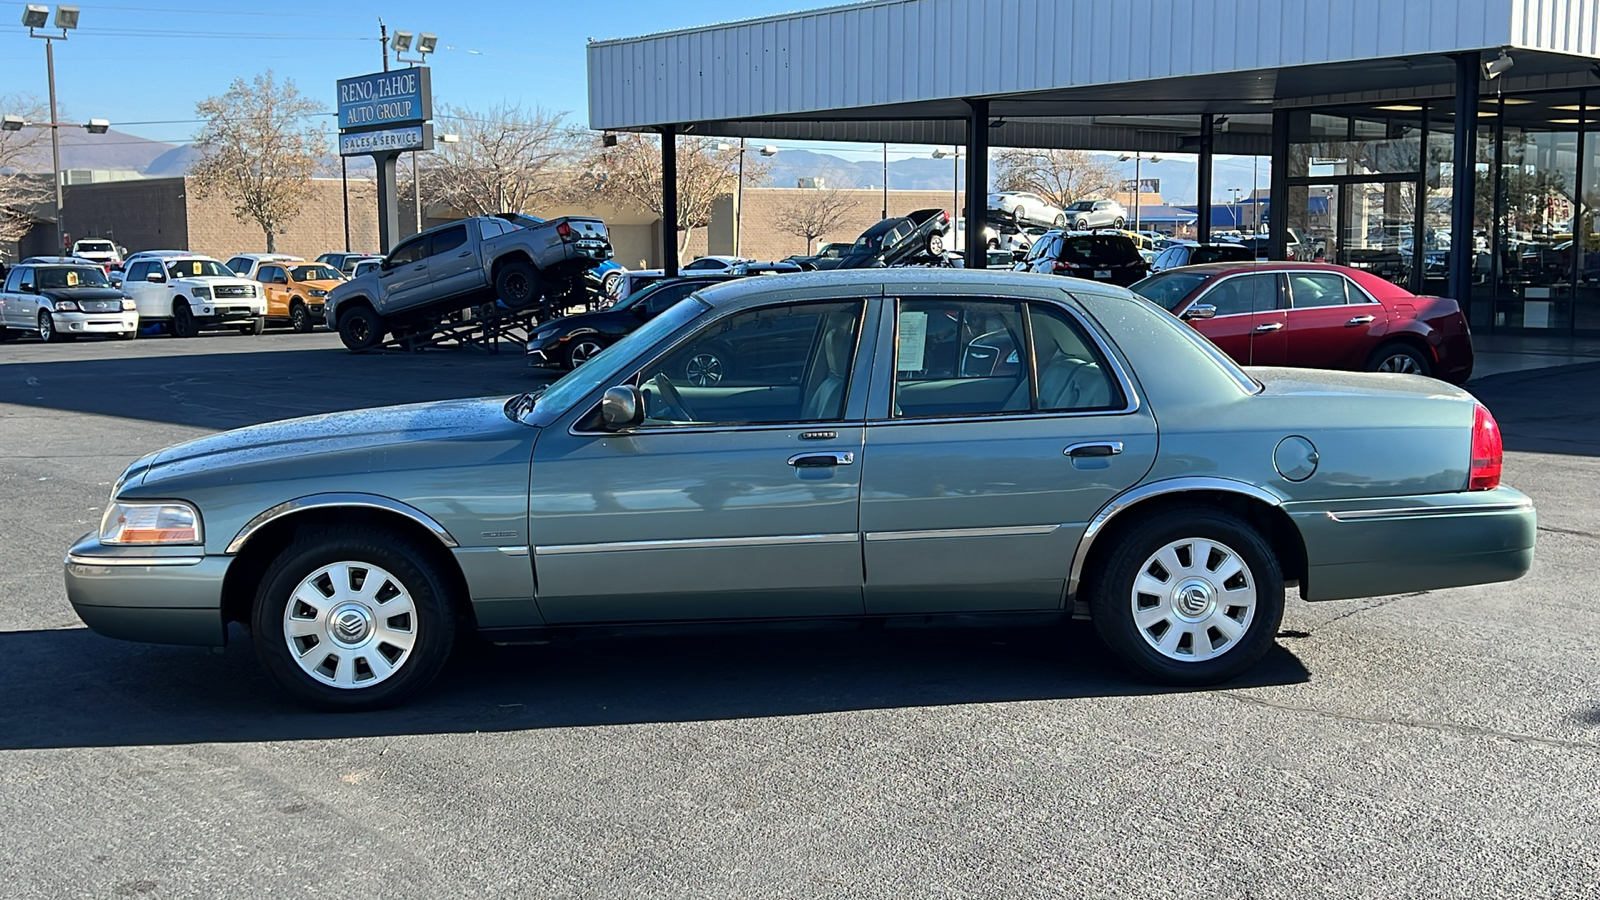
x=383, y=41
x=886, y=179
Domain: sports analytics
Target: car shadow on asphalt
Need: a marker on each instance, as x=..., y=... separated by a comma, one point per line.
x=72, y=688
x=1554, y=410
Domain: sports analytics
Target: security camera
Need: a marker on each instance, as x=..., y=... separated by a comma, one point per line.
x=1494, y=68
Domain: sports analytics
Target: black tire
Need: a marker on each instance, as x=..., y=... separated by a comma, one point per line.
x=47, y=328
x=6, y=334
x=300, y=317
x=1397, y=357
x=519, y=285
x=1061, y=221
x=257, y=326
x=433, y=625
x=125, y=335
x=1112, y=599
x=707, y=366
x=183, y=323
x=582, y=349
x=1081, y=225
x=361, y=328
x=1118, y=222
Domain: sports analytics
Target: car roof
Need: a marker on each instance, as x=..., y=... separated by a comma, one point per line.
x=269, y=257
x=875, y=282
x=58, y=260
x=1276, y=265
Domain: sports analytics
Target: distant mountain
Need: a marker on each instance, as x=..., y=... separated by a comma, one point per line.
x=173, y=163
x=112, y=150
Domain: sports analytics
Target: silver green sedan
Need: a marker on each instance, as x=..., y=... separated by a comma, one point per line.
x=873, y=443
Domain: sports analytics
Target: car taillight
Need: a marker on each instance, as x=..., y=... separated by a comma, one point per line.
x=564, y=230
x=1488, y=452
x=1059, y=266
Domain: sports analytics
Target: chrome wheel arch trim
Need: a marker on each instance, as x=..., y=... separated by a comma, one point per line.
x=336, y=501
x=1139, y=493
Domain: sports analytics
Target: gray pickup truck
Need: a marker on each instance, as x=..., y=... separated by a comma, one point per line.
x=463, y=264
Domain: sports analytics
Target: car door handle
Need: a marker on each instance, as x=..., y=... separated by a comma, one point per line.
x=1270, y=326
x=1359, y=320
x=1093, y=448
x=463, y=254
x=821, y=460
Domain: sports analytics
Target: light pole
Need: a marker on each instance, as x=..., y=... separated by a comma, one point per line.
x=1236, y=192
x=955, y=190
x=35, y=16
x=886, y=179
x=1138, y=182
x=767, y=150
x=426, y=43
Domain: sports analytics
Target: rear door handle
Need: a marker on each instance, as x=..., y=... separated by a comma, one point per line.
x=1359, y=320
x=1093, y=448
x=1270, y=326
x=821, y=460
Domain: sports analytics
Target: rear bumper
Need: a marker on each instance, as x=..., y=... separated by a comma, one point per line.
x=1368, y=548
x=168, y=595
x=1454, y=358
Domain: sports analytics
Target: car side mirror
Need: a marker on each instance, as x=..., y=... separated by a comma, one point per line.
x=28, y=289
x=156, y=278
x=1200, y=311
x=1019, y=255
x=622, y=407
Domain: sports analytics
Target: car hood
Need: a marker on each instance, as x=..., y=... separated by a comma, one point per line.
x=365, y=285
x=380, y=430
x=320, y=284
x=81, y=293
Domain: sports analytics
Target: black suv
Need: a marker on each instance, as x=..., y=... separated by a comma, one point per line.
x=1190, y=253
x=1108, y=256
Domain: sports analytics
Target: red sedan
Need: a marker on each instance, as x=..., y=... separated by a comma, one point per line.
x=1316, y=316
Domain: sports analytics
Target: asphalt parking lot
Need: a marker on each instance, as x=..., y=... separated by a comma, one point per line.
x=1444, y=744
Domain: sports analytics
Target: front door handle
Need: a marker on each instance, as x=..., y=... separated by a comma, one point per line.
x=1270, y=326
x=821, y=460
x=463, y=254
x=1359, y=320
x=1093, y=448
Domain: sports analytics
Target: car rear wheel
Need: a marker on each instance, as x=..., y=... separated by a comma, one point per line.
x=611, y=283
x=581, y=350
x=1399, y=358
x=1060, y=221
x=706, y=368
x=1190, y=596
x=518, y=285
x=300, y=317
x=183, y=323
x=353, y=618
x=1118, y=222
x=935, y=245
x=1081, y=224
x=361, y=328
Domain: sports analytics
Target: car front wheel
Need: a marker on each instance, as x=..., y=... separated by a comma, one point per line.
x=361, y=328
x=300, y=318
x=581, y=350
x=353, y=618
x=1189, y=596
x=183, y=323
x=47, y=328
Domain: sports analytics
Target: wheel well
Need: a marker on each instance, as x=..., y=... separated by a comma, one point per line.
x=1272, y=522
x=244, y=574
x=503, y=261
x=295, y=301
x=1414, y=341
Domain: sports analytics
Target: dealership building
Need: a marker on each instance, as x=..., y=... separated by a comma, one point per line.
x=1453, y=146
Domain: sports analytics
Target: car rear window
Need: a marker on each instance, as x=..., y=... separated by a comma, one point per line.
x=1203, y=255
x=1099, y=250
x=1169, y=289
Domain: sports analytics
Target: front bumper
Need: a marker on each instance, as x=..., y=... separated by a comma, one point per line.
x=159, y=595
x=1395, y=545
x=215, y=311
x=96, y=323
x=546, y=355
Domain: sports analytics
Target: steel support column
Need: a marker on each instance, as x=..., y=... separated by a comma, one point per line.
x=977, y=249
x=388, y=201
x=1208, y=131
x=669, y=200
x=1462, y=199
x=1278, y=189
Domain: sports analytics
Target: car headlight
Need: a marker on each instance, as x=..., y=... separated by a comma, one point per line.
x=201, y=291
x=128, y=305
x=64, y=306
x=545, y=334
x=161, y=522
x=317, y=292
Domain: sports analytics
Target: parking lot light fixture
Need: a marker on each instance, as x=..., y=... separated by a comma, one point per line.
x=12, y=123
x=401, y=41
x=426, y=43
x=98, y=126
x=35, y=16
x=449, y=138
x=66, y=17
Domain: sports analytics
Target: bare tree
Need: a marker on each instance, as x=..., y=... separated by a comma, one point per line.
x=810, y=213
x=1059, y=176
x=21, y=191
x=630, y=174
x=508, y=159
x=259, y=149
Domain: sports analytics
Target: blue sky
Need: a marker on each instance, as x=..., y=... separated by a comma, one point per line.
x=143, y=64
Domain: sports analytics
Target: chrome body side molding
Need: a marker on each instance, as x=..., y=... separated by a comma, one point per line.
x=695, y=544
x=334, y=501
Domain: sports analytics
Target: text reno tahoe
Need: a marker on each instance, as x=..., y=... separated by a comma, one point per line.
x=369, y=100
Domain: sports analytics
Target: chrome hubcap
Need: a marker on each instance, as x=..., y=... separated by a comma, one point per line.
x=1402, y=364
x=1193, y=599
x=350, y=625
x=46, y=327
x=704, y=370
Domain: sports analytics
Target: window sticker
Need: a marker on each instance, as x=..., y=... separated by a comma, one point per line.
x=913, y=341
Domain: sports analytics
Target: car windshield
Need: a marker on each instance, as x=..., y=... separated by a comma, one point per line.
x=610, y=365
x=1100, y=250
x=1081, y=206
x=96, y=247
x=522, y=221
x=73, y=277
x=315, y=273
x=1169, y=289
x=871, y=240
x=642, y=294
x=199, y=268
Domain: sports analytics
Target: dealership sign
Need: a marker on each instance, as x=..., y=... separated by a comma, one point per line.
x=1145, y=185
x=412, y=137
x=401, y=97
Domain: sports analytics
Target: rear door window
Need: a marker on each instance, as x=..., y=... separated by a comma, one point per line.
x=447, y=240
x=1312, y=289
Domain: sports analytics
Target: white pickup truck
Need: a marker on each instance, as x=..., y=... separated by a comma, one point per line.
x=189, y=292
x=464, y=263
